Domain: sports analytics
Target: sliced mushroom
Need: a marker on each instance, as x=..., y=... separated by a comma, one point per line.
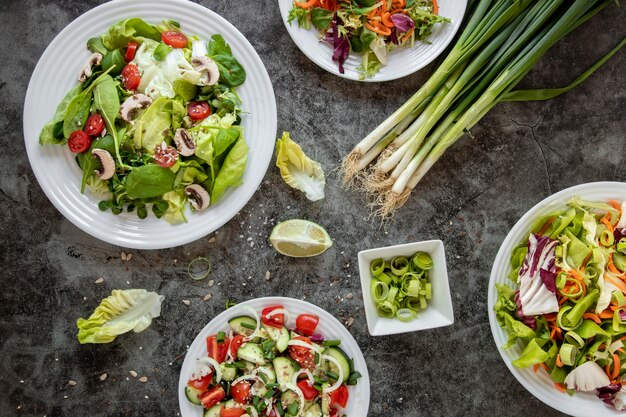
x=208, y=68
x=198, y=196
x=107, y=162
x=133, y=104
x=185, y=144
x=94, y=59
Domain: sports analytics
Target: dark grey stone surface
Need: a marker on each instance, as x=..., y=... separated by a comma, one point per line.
x=519, y=154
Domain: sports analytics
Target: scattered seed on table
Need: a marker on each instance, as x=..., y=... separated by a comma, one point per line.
x=186, y=302
x=71, y=382
x=207, y=297
x=133, y=374
x=212, y=239
x=123, y=256
x=143, y=379
x=129, y=256
x=103, y=376
x=99, y=281
x=267, y=276
x=211, y=282
x=350, y=322
x=349, y=296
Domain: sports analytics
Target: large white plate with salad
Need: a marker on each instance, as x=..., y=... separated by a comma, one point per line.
x=245, y=342
x=253, y=127
x=552, y=284
x=375, y=56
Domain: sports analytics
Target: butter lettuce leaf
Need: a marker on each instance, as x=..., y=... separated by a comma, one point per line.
x=231, y=171
x=121, y=312
x=298, y=170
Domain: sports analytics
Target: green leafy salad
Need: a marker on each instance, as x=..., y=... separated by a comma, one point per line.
x=155, y=120
x=568, y=304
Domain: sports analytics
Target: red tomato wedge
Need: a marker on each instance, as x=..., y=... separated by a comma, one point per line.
x=232, y=412
x=235, y=344
x=277, y=320
x=304, y=356
x=217, y=350
x=241, y=392
x=203, y=383
x=307, y=389
x=339, y=397
x=131, y=78
x=212, y=397
x=174, y=39
x=131, y=50
x=307, y=323
x=79, y=141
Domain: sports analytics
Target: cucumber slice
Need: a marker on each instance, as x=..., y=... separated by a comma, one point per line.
x=229, y=372
x=313, y=411
x=279, y=336
x=251, y=352
x=285, y=370
x=289, y=397
x=213, y=411
x=268, y=373
x=236, y=325
x=325, y=399
x=342, y=358
x=193, y=395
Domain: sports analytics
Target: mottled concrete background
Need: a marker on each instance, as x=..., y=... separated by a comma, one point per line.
x=519, y=154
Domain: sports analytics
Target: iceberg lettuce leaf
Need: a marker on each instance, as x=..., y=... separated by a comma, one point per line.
x=298, y=170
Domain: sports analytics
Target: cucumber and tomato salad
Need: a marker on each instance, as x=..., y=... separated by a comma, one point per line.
x=263, y=368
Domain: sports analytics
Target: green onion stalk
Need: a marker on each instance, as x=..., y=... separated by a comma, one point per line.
x=501, y=43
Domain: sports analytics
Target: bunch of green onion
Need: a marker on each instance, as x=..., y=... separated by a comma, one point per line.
x=400, y=287
x=500, y=44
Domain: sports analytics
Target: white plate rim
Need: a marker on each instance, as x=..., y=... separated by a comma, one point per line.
x=580, y=404
x=441, y=39
x=237, y=198
x=220, y=322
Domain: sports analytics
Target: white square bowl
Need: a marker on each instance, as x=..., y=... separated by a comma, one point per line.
x=439, y=311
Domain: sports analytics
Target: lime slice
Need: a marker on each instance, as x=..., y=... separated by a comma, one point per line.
x=300, y=238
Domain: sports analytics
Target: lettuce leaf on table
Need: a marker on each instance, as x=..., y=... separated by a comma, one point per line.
x=298, y=170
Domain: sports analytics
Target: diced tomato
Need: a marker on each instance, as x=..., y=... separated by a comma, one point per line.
x=131, y=50
x=232, y=412
x=307, y=389
x=339, y=397
x=203, y=383
x=174, y=39
x=235, y=344
x=166, y=156
x=307, y=323
x=334, y=412
x=94, y=125
x=272, y=413
x=212, y=397
x=277, y=320
x=241, y=392
x=79, y=141
x=198, y=110
x=217, y=350
x=304, y=356
x=131, y=77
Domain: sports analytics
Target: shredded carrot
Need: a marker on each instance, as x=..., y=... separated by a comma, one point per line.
x=621, y=350
x=606, y=314
x=329, y=4
x=618, y=283
x=559, y=363
x=559, y=386
x=545, y=367
x=399, y=4
x=535, y=368
x=607, y=371
x=586, y=260
x=622, y=338
x=387, y=20
x=562, y=300
x=408, y=34
x=607, y=223
x=381, y=30
x=546, y=225
x=616, y=367
x=592, y=317
x=435, y=7
x=306, y=5
x=550, y=317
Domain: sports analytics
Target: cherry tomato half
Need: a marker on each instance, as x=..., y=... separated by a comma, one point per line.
x=174, y=39
x=232, y=412
x=198, y=110
x=307, y=323
x=277, y=320
x=241, y=392
x=131, y=50
x=131, y=78
x=212, y=397
x=94, y=125
x=304, y=356
x=235, y=344
x=339, y=397
x=79, y=141
x=166, y=156
x=307, y=389
x=203, y=383
x=217, y=350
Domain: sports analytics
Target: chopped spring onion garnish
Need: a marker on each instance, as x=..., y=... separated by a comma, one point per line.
x=199, y=268
x=401, y=288
x=298, y=391
x=340, y=375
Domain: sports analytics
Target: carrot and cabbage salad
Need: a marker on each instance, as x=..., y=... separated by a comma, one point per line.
x=370, y=27
x=568, y=305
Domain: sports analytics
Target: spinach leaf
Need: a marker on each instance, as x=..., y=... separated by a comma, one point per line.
x=185, y=90
x=114, y=62
x=161, y=51
x=367, y=37
x=77, y=113
x=88, y=163
x=126, y=30
x=107, y=102
x=225, y=138
x=231, y=171
x=96, y=45
x=321, y=18
x=366, y=3
x=231, y=71
x=52, y=132
x=149, y=181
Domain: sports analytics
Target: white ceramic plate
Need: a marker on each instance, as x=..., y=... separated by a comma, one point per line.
x=54, y=166
x=329, y=327
x=401, y=61
x=540, y=384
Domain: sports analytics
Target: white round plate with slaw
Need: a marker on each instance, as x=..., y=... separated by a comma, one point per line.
x=402, y=61
x=55, y=168
x=329, y=327
x=540, y=384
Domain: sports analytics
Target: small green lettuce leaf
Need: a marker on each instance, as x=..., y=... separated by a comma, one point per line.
x=298, y=170
x=121, y=312
x=231, y=171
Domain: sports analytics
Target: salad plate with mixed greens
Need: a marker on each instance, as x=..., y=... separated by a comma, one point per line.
x=155, y=127
x=557, y=300
x=372, y=40
x=274, y=357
